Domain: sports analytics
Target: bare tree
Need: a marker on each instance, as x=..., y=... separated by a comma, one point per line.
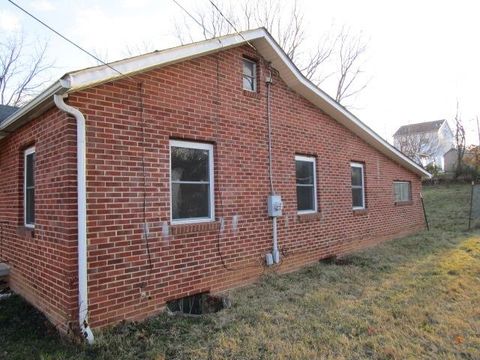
x=351, y=49
x=459, y=142
x=421, y=147
x=21, y=75
x=344, y=51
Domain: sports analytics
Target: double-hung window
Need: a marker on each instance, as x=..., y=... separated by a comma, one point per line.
x=402, y=191
x=358, y=186
x=29, y=187
x=249, y=75
x=191, y=182
x=306, y=184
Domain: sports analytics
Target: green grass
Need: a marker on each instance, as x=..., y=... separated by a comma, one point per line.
x=412, y=298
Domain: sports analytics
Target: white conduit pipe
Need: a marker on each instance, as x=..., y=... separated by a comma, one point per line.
x=275, y=252
x=82, y=218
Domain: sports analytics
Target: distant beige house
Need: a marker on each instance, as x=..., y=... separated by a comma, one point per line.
x=451, y=158
x=426, y=143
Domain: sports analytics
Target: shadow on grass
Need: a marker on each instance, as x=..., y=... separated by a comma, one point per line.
x=410, y=298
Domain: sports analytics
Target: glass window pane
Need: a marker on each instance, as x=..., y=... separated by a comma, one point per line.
x=248, y=83
x=30, y=206
x=305, y=198
x=356, y=176
x=396, y=191
x=189, y=164
x=248, y=68
x=29, y=169
x=357, y=197
x=304, y=171
x=190, y=201
x=402, y=191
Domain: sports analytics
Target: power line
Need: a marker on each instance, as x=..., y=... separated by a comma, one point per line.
x=231, y=24
x=206, y=29
x=193, y=17
x=141, y=116
x=64, y=37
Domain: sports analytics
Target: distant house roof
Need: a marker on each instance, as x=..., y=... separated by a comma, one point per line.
x=419, y=127
x=266, y=47
x=6, y=111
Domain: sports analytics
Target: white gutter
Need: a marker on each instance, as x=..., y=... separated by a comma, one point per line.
x=30, y=110
x=82, y=218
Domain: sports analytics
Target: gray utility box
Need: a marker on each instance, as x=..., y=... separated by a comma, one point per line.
x=275, y=205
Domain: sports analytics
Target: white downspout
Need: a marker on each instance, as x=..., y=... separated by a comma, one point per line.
x=82, y=218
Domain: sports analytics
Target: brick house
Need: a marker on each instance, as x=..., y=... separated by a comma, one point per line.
x=120, y=193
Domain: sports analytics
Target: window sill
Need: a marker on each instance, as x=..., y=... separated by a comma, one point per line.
x=26, y=232
x=360, y=212
x=403, y=203
x=308, y=217
x=178, y=229
x=252, y=94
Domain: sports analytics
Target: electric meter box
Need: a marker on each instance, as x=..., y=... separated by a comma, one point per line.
x=275, y=205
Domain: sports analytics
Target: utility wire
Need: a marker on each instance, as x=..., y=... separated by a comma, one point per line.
x=221, y=14
x=192, y=17
x=231, y=24
x=64, y=37
x=141, y=105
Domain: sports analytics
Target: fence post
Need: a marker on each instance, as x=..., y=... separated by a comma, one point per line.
x=424, y=212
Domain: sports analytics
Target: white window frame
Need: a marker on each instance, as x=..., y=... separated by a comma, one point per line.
x=313, y=161
x=197, y=146
x=254, y=76
x=29, y=151
x=360, y=166
x=409, y=185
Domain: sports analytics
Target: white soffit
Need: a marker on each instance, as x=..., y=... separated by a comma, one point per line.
x=266, y=46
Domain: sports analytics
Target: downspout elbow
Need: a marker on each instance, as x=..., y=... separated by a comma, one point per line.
x=82, y=217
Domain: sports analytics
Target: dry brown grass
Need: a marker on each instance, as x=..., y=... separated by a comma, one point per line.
x=412, y=298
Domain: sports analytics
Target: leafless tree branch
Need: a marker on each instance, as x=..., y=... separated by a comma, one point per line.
x=346, y=51
x=418, y=146
x=459, y=141
x=21, y=75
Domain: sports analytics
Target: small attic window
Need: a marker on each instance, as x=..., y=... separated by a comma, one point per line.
x=249, y=75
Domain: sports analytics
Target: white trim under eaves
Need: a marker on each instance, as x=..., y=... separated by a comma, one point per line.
x=338, y=109
x=33, y=108
x=268, y=49
x=91, y=76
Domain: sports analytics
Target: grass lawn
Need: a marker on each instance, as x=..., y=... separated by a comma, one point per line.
x=413, y=298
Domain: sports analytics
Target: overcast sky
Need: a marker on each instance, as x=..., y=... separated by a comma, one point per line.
x=422, y=55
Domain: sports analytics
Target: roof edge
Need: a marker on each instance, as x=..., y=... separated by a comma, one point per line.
x=340, y=110
x=81, y=79
x=34, y=108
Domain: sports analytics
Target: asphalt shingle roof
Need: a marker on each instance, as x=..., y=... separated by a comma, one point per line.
x=6, y=111
x=419, y=127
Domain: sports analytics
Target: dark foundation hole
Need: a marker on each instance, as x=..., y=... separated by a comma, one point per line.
x=334, y=260
x=199, y=304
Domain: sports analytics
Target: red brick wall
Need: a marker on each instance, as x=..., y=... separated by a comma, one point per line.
x=43, y=261
x=182, y=101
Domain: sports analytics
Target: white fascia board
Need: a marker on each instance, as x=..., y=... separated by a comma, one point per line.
x=269, y=49
x=295, y=79
x=88, y=77
x=34, y=108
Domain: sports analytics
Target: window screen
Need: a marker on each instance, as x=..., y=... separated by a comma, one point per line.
x=402, y=191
